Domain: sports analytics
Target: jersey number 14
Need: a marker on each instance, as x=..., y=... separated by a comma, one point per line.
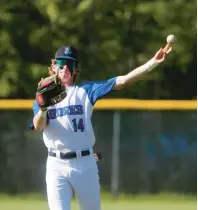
x=78, y=125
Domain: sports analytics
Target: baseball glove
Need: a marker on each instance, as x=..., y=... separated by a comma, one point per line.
x=50, y=91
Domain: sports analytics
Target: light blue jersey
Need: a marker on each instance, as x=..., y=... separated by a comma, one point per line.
x=69, y=126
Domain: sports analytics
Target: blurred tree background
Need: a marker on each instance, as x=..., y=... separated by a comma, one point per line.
x=112, y=36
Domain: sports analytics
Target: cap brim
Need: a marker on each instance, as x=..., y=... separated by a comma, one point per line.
x=67, y=57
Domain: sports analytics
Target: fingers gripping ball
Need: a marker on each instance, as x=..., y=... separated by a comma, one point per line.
x=50, y=91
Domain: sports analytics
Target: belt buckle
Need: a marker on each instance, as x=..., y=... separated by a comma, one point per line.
x=78, y=153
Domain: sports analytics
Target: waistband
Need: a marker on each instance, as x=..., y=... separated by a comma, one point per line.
x=70, y=155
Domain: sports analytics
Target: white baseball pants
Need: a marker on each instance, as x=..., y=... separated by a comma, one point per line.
x=79, y=177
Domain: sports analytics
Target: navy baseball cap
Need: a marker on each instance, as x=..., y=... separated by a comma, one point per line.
x=67, y=52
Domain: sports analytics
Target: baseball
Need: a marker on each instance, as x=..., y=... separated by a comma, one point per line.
x=171, y=39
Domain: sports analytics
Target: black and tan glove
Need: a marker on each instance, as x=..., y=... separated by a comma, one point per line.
x=50, y=91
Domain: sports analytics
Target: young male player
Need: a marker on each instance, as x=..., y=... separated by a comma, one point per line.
x=68, y=134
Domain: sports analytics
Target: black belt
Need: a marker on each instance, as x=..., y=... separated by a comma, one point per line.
x=70, y=155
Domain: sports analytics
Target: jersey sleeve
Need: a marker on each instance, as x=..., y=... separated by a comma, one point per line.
x=35, y=108
x=97, y=90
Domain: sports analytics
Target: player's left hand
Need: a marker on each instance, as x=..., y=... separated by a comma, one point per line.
x=161, y=55
x=50, y=91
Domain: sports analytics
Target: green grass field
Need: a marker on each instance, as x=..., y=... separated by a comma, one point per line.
x=124, y=203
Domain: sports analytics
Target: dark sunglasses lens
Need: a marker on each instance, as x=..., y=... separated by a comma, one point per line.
x=61, y=63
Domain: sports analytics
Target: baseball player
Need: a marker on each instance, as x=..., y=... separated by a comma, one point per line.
x=71, y=168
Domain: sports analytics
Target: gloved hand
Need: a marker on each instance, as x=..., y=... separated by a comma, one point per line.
x=50, y=91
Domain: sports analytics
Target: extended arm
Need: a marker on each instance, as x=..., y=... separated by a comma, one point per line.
x=136, y=74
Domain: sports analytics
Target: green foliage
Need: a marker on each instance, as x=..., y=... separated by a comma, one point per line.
x=113, y=37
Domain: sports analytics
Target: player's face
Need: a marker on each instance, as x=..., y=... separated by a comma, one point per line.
x=65, y=75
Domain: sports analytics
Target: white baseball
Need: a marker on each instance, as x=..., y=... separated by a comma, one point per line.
x=171, y=39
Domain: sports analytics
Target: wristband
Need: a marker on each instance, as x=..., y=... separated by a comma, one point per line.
x=150, y=65
x=42, y=113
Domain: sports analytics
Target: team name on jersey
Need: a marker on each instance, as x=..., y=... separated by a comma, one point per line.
x=67, y=110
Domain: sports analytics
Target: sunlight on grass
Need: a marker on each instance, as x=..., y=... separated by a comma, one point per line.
x=160, y=202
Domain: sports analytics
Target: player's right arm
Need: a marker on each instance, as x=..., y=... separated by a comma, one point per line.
x=40, y=117
x=138, y=73
x=97, y=90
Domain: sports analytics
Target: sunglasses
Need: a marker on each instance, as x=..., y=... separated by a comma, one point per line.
x=70, y=63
